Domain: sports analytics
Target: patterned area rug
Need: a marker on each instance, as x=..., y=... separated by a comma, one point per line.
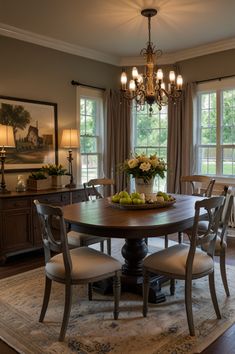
x=92, y=328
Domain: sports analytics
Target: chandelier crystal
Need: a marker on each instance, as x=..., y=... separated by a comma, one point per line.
x=149, y=87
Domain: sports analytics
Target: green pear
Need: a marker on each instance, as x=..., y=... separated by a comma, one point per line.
x=135, y=195
x=123, y=194
x=115, y=198
x=126, y=200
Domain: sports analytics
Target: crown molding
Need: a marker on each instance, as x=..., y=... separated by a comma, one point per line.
x=174, y=57
x=165, y=59
x=27, y=36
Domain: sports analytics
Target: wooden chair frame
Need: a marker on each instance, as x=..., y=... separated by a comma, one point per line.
x=46, y=215
x=213, y=206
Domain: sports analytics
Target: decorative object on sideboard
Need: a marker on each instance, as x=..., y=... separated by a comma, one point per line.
x=39, y=181
x=57, y=173
x=149, y=87
x=20, y=186
x=70, y=141
x=6, y=140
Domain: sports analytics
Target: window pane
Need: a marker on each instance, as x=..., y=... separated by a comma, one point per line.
x=228, y=117
x=207, y=160
x=88, y=144
x=89, y=167
x=229, y=161
x=90, y=107
x=82, y=124
x=82, y=106
x=90, y=125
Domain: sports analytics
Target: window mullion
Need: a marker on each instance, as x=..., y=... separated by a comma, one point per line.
x=219, y=110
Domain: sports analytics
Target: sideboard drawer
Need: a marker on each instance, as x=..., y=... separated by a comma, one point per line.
x=55, y=199
x=16, y=203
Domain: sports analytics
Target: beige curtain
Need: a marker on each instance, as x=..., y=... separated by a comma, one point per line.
x=117, y=135
x=180, y=140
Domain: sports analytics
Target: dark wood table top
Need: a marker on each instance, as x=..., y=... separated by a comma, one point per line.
x=98, y=218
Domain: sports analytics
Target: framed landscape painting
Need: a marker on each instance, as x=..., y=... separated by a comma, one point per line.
x=35, y=132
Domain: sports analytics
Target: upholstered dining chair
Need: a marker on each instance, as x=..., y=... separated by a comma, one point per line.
x=221, y=241
x=94, y=189
x=81, y=265
x=200, y=186
x=188, y=262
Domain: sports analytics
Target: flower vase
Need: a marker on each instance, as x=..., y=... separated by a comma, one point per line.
x=142, y=186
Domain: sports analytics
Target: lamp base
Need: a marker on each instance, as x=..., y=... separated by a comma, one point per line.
x=4, y=191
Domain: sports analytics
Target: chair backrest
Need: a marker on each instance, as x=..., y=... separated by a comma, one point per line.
x=95, y=188
x=221, y=189
x=201, y=185
x=47, y=215
x=213, y=207
x=227, y=209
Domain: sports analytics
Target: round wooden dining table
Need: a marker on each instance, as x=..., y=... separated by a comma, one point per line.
x=101, y=218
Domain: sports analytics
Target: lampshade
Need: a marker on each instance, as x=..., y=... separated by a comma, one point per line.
x=6, y=136
x=70, y=138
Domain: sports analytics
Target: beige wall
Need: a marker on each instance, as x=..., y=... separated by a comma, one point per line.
x=208, y=66
x=38, y=73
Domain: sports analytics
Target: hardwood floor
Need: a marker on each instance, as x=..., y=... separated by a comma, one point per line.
x=23, y=263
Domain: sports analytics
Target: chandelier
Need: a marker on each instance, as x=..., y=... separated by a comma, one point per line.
x=149, y=87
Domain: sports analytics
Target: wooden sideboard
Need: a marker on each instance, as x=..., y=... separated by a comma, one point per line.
x=19, y=226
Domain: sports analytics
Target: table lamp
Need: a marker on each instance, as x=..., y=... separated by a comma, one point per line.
x=6, y=140
x=70, y=140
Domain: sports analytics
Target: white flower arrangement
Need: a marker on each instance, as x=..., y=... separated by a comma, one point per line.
x=142, y=166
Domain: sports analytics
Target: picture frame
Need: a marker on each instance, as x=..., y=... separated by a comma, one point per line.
x=35, y=125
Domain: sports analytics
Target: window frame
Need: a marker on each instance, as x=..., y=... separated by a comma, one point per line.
x=98, y=95
x=218, y=86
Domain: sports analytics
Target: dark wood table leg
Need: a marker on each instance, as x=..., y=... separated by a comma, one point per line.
x=134, y=251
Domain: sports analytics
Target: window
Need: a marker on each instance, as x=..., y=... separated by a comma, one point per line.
x=90, y=109
x=215, y=138
x=150, y=136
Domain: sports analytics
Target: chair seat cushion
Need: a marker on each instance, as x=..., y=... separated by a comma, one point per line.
x=87, y=263
x=172, y=260
x=77, y=239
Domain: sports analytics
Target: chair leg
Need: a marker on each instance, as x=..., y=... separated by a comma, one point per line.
x=180, y=237
x=213, y=294
x=189, y=308
x=109, y=246
x=172, y=286
x=67, y=309
x=166, y=241
x=90, y=290
x=47, y=292
x=223, y=270
x=117, y=294
x=145, y=292
x=102, y=246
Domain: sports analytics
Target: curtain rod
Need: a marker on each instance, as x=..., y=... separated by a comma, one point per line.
x=77, y=83
x=214, y=79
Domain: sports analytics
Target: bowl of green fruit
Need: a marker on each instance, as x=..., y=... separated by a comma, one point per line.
x=125, y=200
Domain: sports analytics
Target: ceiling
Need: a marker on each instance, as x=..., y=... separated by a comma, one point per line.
x=113, y=31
